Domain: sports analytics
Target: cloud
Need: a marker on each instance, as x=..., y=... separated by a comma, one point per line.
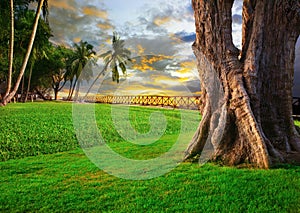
x=161, y=20
x=158, y=45
x=150, y=62
x=237, y=23
x=237, y=19
x=186, y=37
x=105, y=26
x=157, y=83
x=186, y=67
x=63, y=4
x=77, y=39
x=237, y=7
x=87, y=22
x=149, y=32
x=94, y=11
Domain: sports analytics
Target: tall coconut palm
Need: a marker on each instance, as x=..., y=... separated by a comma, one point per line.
x=82, y=55
x=42, y=5
x=116, y=58
x=39, y=49
x=11, y=47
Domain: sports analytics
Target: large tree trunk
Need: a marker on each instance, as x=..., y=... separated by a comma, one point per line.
x=247, y=112
x=25, y=61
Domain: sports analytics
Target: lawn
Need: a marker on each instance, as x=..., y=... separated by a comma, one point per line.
x=33, y=179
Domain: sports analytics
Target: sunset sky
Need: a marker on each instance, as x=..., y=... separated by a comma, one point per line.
x=161, y=28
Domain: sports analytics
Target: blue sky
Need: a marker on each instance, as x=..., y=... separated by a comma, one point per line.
x=163, y=28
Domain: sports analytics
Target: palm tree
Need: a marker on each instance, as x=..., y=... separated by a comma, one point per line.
x=11, y=47
x=82, y=55
x=35, y=55
x=116, y=58
x=40, y=47
x=42, y=5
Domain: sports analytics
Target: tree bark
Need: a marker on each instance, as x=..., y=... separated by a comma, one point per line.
x=56, y=85
x=29, y=82
x=25, y=61
x=72, y=90
x=11, y=48
x=247, y=112
x=98, y=76
x=55, y=94
x=41, y=94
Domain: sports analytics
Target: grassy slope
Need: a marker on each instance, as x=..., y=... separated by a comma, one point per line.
x=36, y=128
x=44, y=128
x=68, y=181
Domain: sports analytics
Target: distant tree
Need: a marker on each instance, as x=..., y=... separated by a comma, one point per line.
x=58, y=61
x=119, y=56
x=83, y=53
x=252, y=121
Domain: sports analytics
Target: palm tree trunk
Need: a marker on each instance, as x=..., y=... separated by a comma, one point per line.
x=73, y=88
x=30, y=45
x=70, y=88
x=94, y=82
x=29, y=81
x=77, y=90
x=11, y=48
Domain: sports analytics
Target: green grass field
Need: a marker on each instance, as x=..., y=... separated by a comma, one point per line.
x=44, y=169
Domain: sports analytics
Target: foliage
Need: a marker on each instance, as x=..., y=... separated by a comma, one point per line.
x=51, y=71
x=119, y=56
x=4, y=38
x=83, y=53
x=24, y=18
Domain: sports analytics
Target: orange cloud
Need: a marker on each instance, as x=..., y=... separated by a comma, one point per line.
x=161, y=20
x=143, y=66
x=175, y=39
x=90, y=11
x=61, y=4
x=184, y=79
x=76, y=40
x=147, y=62
x=105, y=26
x=187, y=67
x=141, y=50
x=108, y=41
